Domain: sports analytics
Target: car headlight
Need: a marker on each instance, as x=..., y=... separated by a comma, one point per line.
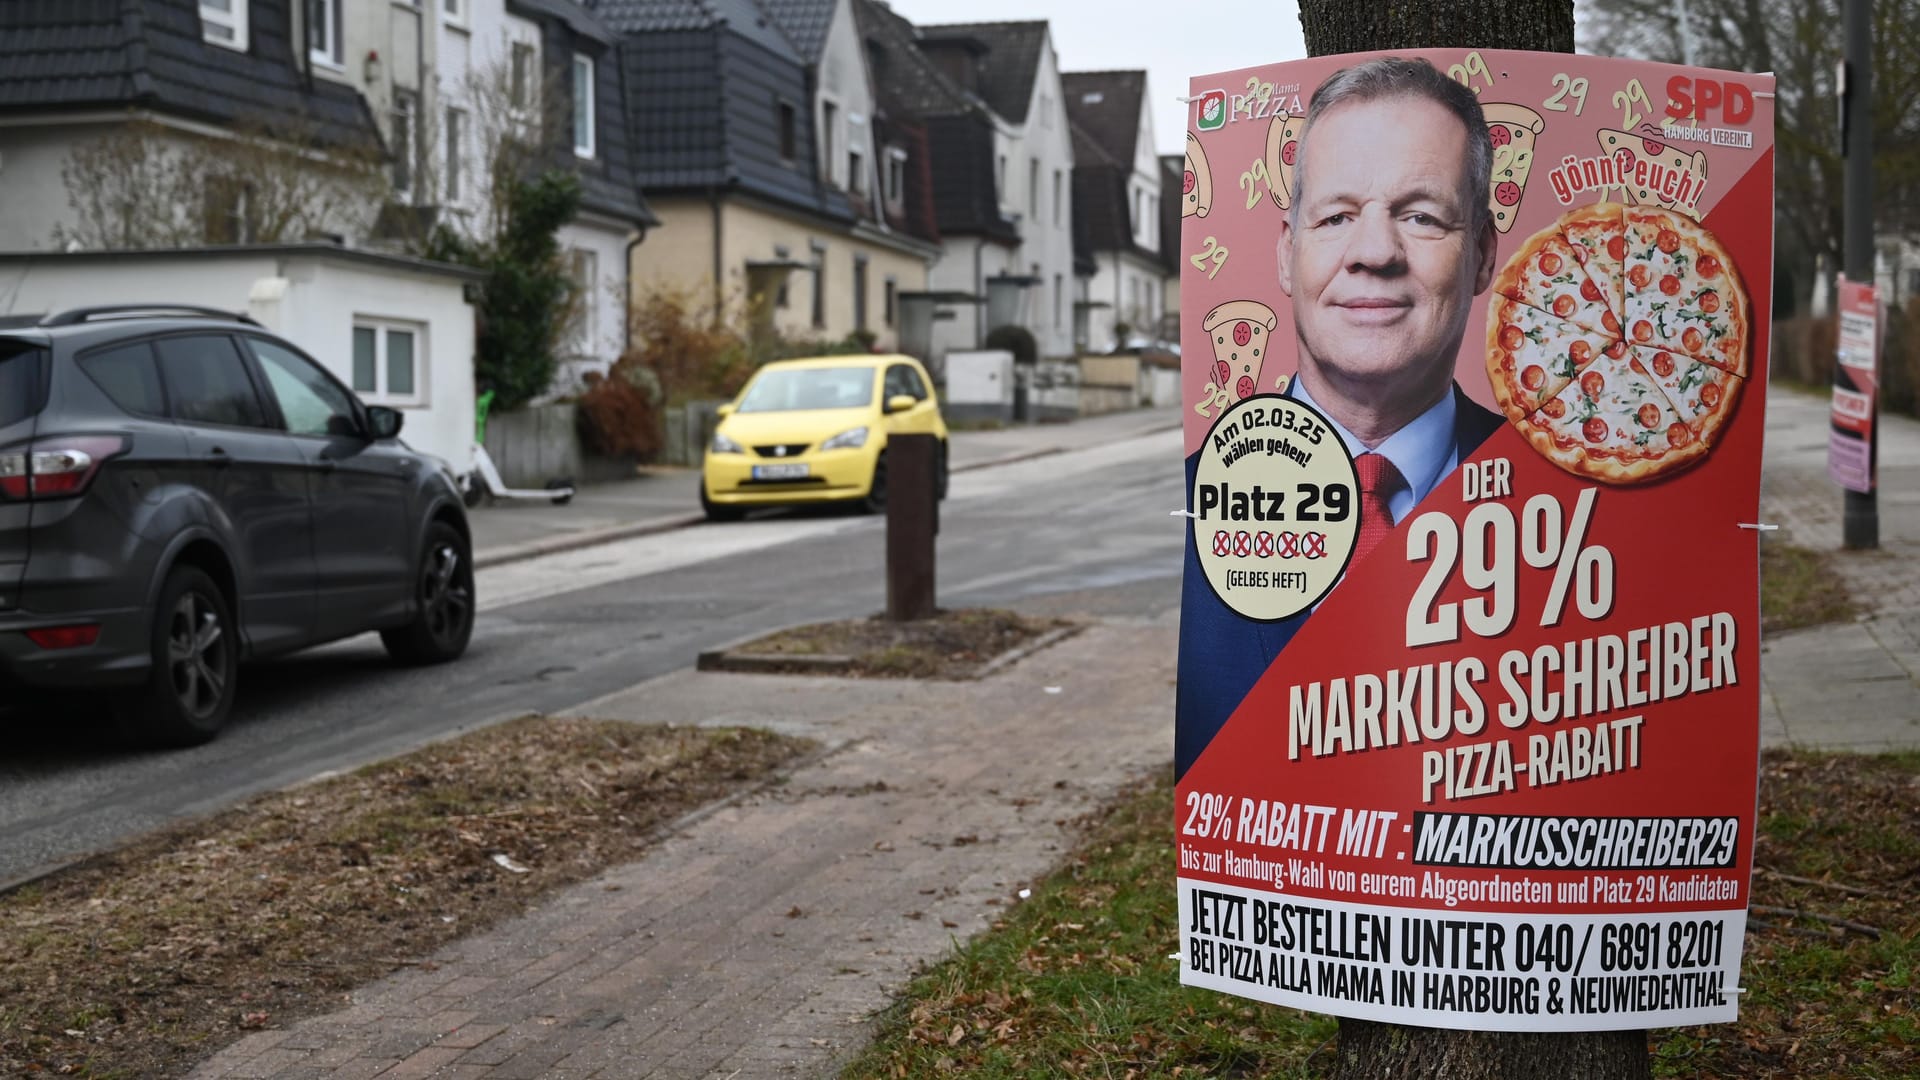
x=847, y=440
x=723, y=445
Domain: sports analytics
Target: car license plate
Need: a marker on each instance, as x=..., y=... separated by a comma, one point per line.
x=780, y=472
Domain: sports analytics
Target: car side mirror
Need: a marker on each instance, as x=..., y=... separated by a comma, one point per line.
x=901, y=402
x=384, y=422
x=724, y=411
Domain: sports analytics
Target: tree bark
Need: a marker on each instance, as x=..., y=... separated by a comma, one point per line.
x=1369, y=1050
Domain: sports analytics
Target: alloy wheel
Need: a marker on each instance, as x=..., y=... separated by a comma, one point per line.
x=197, y=654
x=446, y=595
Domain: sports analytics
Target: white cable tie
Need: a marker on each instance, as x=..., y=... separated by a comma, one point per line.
x=1184, y=100
x=1759, y=526
x=1182, y=513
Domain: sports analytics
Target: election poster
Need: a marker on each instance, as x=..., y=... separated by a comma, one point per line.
x=1856, y=373
x=1474, y=357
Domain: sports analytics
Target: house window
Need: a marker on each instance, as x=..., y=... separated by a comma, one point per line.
x=856, y=172
x=1033, y=189
x=896, y=175
x=456, y=147
x=323, y=31
x=224, y=22
x=1059, y=215
x=228, y=211
x=582, y=106
x=520, y=76
x=829, y=135
x=859, y=292
x=889, y=301
x=583, y=267
x=784, y=119
x=387, y=361
x=1059, y=290
x=402, y=141
x=455, y=10
x=1000, y=179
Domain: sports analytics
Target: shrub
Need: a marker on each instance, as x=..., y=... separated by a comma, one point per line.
x=620, y=412
x=690, y=347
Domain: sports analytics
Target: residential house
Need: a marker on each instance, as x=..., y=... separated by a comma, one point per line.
x=1117, y=189
x=460, y=85
x=187, y=151
x=1013, y=69
x=757, y=145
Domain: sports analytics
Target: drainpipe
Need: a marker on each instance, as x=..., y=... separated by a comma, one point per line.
x=979, y=287
x=626, y=292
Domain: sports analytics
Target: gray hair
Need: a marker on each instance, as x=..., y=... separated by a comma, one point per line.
x=1392, y=77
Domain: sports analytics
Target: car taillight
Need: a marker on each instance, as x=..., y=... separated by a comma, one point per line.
x=65, y=637
x=56, y=467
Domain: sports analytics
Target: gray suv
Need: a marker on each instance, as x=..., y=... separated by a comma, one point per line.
x=182, y=491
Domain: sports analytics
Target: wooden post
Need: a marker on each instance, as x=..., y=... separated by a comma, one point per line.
x=913, y=511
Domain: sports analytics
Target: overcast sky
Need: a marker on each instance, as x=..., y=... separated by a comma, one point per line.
x=1124, y=35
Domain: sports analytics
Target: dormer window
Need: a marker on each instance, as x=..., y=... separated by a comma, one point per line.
x=896, y=175
x=582, y=106
x=224, y=22
x=323, y=32
x=784, y=123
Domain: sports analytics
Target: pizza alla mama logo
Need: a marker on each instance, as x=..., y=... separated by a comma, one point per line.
x=1213, y=110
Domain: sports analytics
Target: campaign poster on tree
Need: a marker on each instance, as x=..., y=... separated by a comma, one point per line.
x=1474, y=354
x=1856, y=375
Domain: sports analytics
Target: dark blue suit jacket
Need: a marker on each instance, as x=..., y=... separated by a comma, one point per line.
x=1222, y=654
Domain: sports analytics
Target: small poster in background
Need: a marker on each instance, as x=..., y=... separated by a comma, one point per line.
x=1856, y=376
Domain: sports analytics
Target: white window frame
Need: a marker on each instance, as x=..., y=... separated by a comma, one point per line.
x=583, y=267
x=832, y=116
x=581, y=62
x=523, y=74
x=333, y=53
x=406, y=104
x=453, y=12
x=896, y=175
x=857, y=170
x=456, y=166
x=234, y=22
x=381, y=327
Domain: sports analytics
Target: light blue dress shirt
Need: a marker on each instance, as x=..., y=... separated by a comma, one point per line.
x=1424, y=451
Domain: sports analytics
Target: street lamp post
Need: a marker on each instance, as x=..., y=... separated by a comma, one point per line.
x=1860, y=513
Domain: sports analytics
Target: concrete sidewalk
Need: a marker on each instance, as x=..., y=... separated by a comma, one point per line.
x=1848, y=686
x=660, y=498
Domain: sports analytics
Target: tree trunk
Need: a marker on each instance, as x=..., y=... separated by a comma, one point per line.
x=1369, y=1050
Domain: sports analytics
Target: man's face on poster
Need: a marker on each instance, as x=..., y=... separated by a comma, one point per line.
x=1386, y=252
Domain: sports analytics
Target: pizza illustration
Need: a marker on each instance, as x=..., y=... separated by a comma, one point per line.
x=1513, y=129
x=1239, y=329
x=1618, y=341
x=1283, y=147
x=1196, y=185
x=1675, y=183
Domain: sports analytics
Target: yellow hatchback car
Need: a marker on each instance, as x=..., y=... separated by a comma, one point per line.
x=815, y=431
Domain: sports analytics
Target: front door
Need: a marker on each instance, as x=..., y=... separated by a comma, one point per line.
x=256, y=482
x=363, y=548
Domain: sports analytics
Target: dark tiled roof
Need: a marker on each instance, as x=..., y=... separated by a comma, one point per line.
x=1107, y=105
x=958, y=184
x=1100, y=202
x=76, y=54
x=609, y=181
x=1012, y=62
x=805, y=22
x=576, y=17
x=743, y=17
x=1087, y=151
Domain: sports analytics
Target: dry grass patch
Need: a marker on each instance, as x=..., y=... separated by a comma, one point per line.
x=951, y=645
x=147, y=960
x=1799, y=587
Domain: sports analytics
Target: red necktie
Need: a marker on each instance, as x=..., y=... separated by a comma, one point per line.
x=1378, y=481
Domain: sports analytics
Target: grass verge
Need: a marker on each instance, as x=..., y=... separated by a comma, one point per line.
x=1077, y=981
x=147, y=960
x=951, y=645
x=1799, y=587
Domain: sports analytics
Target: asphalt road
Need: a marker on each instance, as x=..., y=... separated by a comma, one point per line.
x=1084, y=530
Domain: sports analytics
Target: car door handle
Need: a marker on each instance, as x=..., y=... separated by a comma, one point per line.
x=219, y=458
x=328, y=465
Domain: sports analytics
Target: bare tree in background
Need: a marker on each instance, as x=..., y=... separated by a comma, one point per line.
x=145, y=185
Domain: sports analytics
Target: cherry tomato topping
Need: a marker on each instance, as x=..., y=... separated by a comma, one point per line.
x=1288, y=151
x=1221, y=373
x=1511, y=337
x=1595, y=429
x=1639, y=275
x=1710, y=395
x=1242, y=333
x=1591, y=291
x=1670, y=285
x=1554, y=408
x=1709, y=301
x=1592, y=383
x=1506, y=193
x=1500, y=134
x=1563, y=305
x=1648, y=415
x=1187, y=184
x=1533, y=377
x=1549, y=263
x=1707, y=266
x=1668, y=241
x=1691, y=339
x=1580, y=351
x=1643, y=331
x=1245, y=386
x=1679, y=435
x=1617, y=247
x=1663, y=363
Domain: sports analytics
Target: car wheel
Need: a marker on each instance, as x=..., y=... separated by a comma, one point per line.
x=876, y=500
x=196, y=664
x=717, y=512
x=443, y=585
x=940, y=473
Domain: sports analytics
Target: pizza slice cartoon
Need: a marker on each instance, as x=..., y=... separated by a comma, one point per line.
x=1514, y=130
x=1674, y=178
x=1283, y=146
x=1196, y=183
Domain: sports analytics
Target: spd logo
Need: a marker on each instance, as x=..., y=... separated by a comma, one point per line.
x=1213, y=110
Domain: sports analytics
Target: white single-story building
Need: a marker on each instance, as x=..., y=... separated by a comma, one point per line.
x=397, y=329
